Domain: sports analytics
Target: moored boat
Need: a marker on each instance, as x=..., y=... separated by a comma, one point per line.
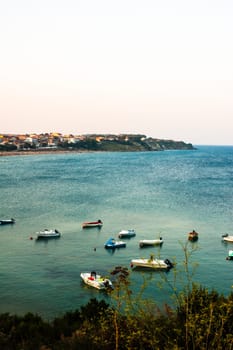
x=150, y=242
x=90, y=224
x=96, y=281
x=111, y=243
x=7, y=221
x=230, y=255
x=48, y=234
x=127, y=233
x=193, y=236
x=152, y=263
x=227, y=238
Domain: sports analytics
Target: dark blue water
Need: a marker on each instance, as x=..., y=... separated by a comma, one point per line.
x=161, y=193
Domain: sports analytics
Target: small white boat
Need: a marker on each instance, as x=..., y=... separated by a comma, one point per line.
x=48, y=234
x=227, y=238
x=127, y=233
x=7, y=221
x=152, y=263
x=90, y=224
x=150, y=242
x=96, y=281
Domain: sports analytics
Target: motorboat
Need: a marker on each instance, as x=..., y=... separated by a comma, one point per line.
x=48, y=234
x=111, y=243
x=97, y=281
x=227, y=238
x=7, y=221
x=152, y=263
x=193, y=236
x=230, y=255
x=127, y=233
x=90, y=224
x=150, y=242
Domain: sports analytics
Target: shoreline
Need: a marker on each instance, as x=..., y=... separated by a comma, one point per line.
x=29, y=153
x=65, y=151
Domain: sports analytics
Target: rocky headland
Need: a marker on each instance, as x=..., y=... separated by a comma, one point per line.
x=45, y=143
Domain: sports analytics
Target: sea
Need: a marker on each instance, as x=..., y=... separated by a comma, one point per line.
x=158, y=194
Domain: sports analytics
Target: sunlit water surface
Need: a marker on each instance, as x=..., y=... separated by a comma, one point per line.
x=163, y=194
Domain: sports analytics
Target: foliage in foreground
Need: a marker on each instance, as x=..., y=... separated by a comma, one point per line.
x=203, y=320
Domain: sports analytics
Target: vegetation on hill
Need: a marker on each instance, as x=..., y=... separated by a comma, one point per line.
x=128, y=143
x=202, y=319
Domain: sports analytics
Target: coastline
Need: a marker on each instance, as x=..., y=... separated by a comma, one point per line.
x=15, y=145
x=29, y=153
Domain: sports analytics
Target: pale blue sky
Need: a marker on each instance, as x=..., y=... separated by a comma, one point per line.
x=163, y=68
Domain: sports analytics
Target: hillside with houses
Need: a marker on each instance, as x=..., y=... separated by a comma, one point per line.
x=89, y=142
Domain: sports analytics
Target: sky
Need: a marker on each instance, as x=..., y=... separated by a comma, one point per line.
x=162, y=68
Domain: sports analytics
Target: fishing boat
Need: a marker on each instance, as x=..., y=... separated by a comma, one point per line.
x=230, y=255
x=127, y=233
x=150, y=242
x=227, y=238
x=96, y=281
x=193, y=236
x=152, y=263
x=90, y=224
x=111, y=243
x=7, y=221
x=48, y=234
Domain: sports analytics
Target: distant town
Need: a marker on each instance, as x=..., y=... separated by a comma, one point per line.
x=91, y=142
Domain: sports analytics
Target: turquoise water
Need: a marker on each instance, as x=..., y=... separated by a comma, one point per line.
x=157, y=193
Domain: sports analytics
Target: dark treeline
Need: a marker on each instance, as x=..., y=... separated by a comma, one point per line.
x=202, y=320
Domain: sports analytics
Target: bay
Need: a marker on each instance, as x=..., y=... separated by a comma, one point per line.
x=164, y=194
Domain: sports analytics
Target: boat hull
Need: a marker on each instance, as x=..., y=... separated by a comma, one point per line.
x=97, y=224
x=7, y=222
x=47, y=237
x=114, y=246
x=150, y=242
x=193, y=238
